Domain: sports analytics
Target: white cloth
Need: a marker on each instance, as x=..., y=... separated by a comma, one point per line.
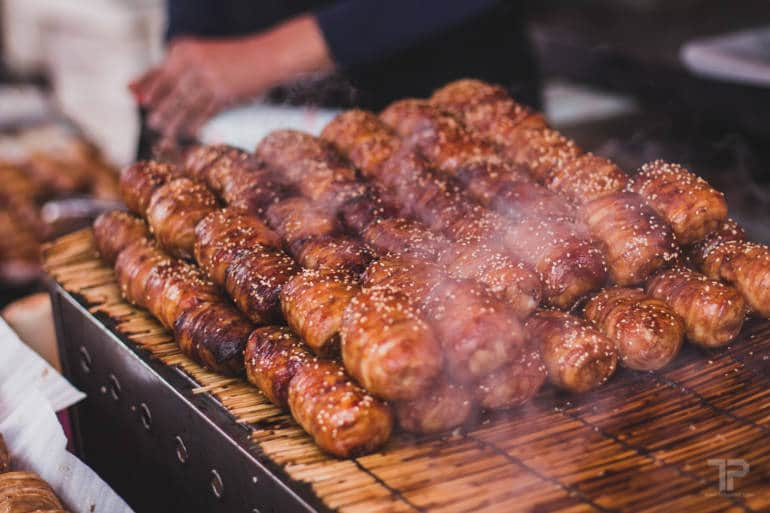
x=30, y=393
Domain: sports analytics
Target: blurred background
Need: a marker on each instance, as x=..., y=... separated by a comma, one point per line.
x=685, y=80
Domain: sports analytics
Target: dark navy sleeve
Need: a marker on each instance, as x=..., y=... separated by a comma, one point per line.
x=191, y=18
x=358, y=31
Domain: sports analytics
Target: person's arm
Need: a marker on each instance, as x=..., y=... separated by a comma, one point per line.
x=360, y=31
x=200, y=77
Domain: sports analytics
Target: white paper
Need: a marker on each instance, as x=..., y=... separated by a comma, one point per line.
x=20, y=364
x=245, y=126
x=30, y=390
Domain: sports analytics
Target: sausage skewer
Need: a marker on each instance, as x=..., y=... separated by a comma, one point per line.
x=340, y=416
x=647, y=332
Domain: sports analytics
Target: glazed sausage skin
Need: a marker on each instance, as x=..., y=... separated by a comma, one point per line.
x=359, y=135
x=312, y=166
x=712, y=312
x=254, y=280
x=139, y=181
x=333, y=253
x=343, y=419
x=401, y=236
x=514, y=383
x=386, y=346
x=475, y=163
x=273, y=356
x=175, y=210
x=486, y=109
x=502, y=276
x=313, y=304
x=443, y=406
x=637, y=241
x=692, y=207
x=173, y=287
x=296, y=219
x=215, y=335
x=568, y=263
x=577, y=356
x=133, y=267
x=116, y=230
x=224, y=233
x=648, y=333
x=586, y=178
x=478, y=332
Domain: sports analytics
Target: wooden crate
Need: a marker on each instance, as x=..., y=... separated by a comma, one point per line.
x=644, y=442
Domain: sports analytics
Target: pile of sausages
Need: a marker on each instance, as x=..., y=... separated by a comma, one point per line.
x=415, y=268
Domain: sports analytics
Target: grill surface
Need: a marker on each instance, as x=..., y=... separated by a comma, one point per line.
x=171, y=436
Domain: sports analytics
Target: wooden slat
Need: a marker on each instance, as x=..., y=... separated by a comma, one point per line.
x=641, y=443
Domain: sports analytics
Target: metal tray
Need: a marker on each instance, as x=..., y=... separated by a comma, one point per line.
x=163, y=448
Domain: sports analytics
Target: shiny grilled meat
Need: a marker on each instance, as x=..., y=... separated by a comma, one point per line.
x=647, y=331
x=692, y=207
x=577, y=356
x=387, y=347
x=713, y=312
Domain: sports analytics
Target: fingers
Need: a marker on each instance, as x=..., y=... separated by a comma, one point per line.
x=177, y=98
x=195, y=109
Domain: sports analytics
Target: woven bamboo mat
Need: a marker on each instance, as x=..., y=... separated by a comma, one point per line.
x=644, y=442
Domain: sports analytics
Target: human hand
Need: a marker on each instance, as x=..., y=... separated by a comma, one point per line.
x=200, y=77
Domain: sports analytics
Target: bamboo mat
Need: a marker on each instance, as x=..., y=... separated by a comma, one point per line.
x=647, y=442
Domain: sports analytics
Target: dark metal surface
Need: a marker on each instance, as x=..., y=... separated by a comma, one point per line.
x=162, y=448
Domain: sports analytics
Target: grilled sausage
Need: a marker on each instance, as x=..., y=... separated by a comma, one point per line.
x=174, y=286
x=476, y=164
x=502, y=276
x=214, y=334
x=577, y=356
x=224, y=233
x=647, y=332
x=477, y=332
x=637, y=242
x=586, y=178
x=27, y=492
x=486, y=108
x=745, y=265
x=175, y=210
x=254, y=280
x=514, y=383
x=207, y=328
x=133, y=267
x=313, y=303
x=114, y=231
x=569, y=264
x=524, y=137
x=360, y=136
x=273, y=356
x=296, y=219
x=311, y=166
x=386, y=347
x=713, y=312
x=403, y=237
x=444, y=405
x=333, y=253
x=692, y=207
x=342, y=418
x=140, y=180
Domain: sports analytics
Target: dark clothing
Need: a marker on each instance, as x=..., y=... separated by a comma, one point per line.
x=386, y=49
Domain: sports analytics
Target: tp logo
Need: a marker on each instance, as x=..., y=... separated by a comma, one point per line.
x=728, y=471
